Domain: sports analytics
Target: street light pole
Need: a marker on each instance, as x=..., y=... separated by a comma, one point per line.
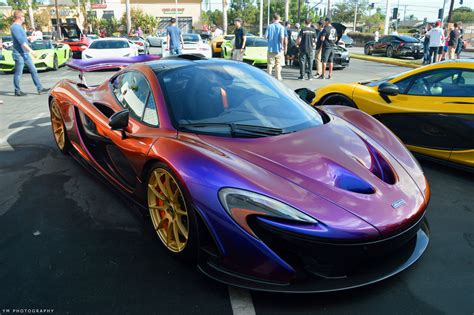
x=261, y=18
x=58, y=22
x=30, y=13
x=127, y=13
x=329, y=9
x=268, y=14
x=355, y=16
x=387, y=18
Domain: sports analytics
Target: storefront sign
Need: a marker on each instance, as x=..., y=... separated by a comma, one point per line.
x=62, y=12
x=172, y=10
x=99, y=6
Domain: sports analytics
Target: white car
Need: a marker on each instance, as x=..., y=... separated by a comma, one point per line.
x=157, y=39
x=110, y=48
x=193, y=44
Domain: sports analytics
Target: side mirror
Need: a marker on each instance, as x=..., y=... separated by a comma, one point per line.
x=387, y=88
x=119, y=120
x=305, y=94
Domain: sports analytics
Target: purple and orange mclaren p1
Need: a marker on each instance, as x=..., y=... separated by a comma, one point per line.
x=241, y=176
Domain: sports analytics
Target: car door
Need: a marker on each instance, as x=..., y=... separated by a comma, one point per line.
x=434, y=112
x=122, y=153
x=381, y=45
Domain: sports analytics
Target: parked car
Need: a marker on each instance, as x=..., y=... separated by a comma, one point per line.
x=255, y=51
x=75, y=38
x=142, y=44
x=216, y=44
x=193, y=44
x=110, y=47
x=7, y=41
x=395, y=46
x=48, y=56
x=431, y=109
x=157, y=39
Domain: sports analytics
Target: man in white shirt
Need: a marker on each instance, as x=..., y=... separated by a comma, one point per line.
x=436, y=41
x=215, y=31
x=377, y=35
x=37, y=34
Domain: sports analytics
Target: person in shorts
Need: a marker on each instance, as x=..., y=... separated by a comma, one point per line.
x=276, y=40
x=328, y=37
x=240, y=39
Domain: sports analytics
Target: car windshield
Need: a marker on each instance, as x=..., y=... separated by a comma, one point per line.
x=191, y=38
x=217, y=98
x=70, y=31
x=408, y=39
x=39, y=45
x=109, y=44
x=256, y=42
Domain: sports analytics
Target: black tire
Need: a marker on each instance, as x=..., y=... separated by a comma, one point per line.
x=190, y=252
x=389, y=52
x=67, y=143
x=55, y=63
x=338, y=99
x=419, y=56
x=367, y=50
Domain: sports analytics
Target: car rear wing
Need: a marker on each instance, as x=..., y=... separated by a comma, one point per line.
x=97, y=64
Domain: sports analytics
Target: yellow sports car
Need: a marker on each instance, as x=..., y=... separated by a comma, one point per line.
x=431, y=109
x=216, y=44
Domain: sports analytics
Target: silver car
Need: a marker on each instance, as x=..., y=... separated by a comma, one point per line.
x=141, y=43
x=157, y=39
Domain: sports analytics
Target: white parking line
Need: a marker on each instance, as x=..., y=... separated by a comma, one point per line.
x=241, y=301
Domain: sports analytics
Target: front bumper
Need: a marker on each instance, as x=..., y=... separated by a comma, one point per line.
x=341, y=60
x=409, y=52
x=324, y=266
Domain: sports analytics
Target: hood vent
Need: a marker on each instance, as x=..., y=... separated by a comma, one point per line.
x=380, y=167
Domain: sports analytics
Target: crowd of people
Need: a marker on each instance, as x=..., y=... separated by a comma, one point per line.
x=314, y=43
x=442, y=43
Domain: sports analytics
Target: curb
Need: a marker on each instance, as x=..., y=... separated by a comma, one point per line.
x=390, y=62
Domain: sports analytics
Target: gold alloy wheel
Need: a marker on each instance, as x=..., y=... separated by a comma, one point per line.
x=168, y=210
x=58, y=126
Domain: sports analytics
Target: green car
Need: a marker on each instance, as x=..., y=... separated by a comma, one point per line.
x=48, y=55
x=255, y=52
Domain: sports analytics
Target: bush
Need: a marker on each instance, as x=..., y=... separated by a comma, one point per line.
x=361, y=38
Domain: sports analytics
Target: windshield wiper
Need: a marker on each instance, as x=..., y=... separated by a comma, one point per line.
x=239, y=130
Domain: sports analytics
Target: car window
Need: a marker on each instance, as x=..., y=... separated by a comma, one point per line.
x=233, y=94
x=133, y=92
x=443, y=82
x=109, y=44
x=150, y=115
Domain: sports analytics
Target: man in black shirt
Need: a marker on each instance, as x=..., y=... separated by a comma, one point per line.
x=306, y=42
x=240, y=40
x=328, y=37
x=453, y=41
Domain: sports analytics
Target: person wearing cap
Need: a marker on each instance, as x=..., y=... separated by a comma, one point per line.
x=240, y=40
x=328, y=37
x=275, y=35
x=436, y=36
x=174, y=38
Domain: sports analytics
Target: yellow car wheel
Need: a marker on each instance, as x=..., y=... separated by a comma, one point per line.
x=59, y=129
x=338, y=99
x=172, y=216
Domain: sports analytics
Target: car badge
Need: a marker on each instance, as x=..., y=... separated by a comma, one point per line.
x=397, y=204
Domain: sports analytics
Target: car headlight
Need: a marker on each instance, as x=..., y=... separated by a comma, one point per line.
x=82, y=47
x=241, y=203
x=43, y=56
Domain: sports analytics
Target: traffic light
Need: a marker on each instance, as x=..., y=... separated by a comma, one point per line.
x=440, y=14
x=460, y=2
x=372, y=5
x=395, y=13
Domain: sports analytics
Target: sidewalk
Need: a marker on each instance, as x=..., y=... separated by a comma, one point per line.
x=358, y=53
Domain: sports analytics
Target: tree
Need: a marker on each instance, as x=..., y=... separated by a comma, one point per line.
x=344, y=11
x=139, y=18
x=463, y=14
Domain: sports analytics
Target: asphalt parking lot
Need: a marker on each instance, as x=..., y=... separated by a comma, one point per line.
x=71, y=244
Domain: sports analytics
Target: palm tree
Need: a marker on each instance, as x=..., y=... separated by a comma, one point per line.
x=129, y=19
x=224, y=15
